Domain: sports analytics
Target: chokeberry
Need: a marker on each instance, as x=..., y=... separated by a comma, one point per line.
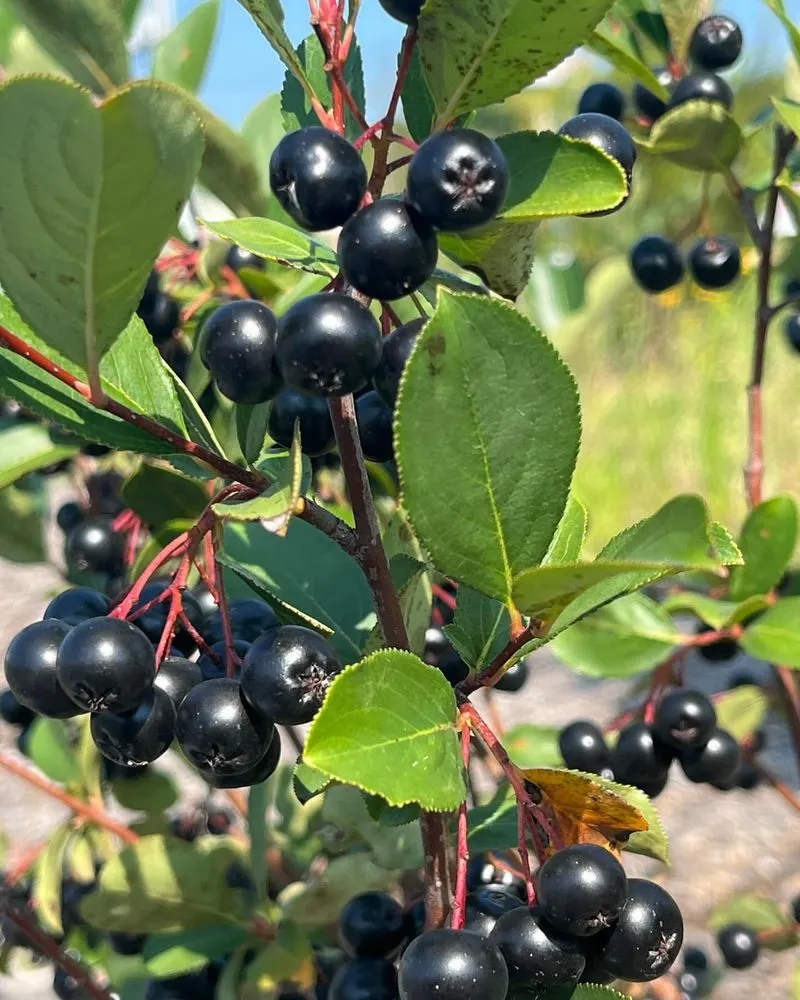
x=31, y=670
x=716, y=43
x=249, y=618
x=405, y=11
x=657, y=264
x=695, y=959
x=372, y=925
x=287, y=673
x=69, y=516
x=106, y=665
x=127, y=944
x=481, y=871
x=715, y=262
x=602, y=99
x=513, y=679
x=486, y=905
x=717, y=652
x=641, y=759
x=648, y=104
x=140, y=736
x=739, y=946
x=702, y=86
x=211, y=668
x=584, y=747
x=795, y=909
x=93, y=546
x=237, y=257
x=328, y=344
x=151, y=290
x=153, y=621
x=163, y=317
x=395, y=351
x=254, y=775
x=537, y=956
x=607, y=134
x=219, y=732
x=717, y=761
x=318, y=177
x=684, y=719
x=13, y=711
x=374, y=419
x=581, y=889
x=316, y=428
x=364, y=979
x=792, y=331
x=75, y=605
x=177, y=676
x=452, y=965
x=647, y=936
x=237, y=345
x=453, y=666
x=67, y=988
x=206, y=600
x=457, y=180
x=387, y=250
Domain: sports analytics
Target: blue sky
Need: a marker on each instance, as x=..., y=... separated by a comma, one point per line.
x=244, y=68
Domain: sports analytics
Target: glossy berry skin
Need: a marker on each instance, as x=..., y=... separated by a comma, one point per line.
x=606, y=134
x=210, y=670
x=702, y=86
x=93, y=547
x=486, y=905
x=792, y=331
x=584, y=747
x=106, y=665
x=405, y=11
x=739, y=946
x=372, y=925
x=457, y=180
x=375, y=428
x=237, y=345
x=237, y=257
x=718, y=761
x=647, y=936
x=483, y=872
x=386, y=250
x=177, y=676
x=287, y=673
x=364, y=979
x=395, y=352
x=206, y=600
x=602, y=99
x=69, y=516
x=452, y=965
x=657, y=264
x=140, y=736
x=219, y=732
x=328, y=345
x=715, y=262
x=648, y=104
x=162, y=319
x=13, y=711
x=259, y=772
x=513, y=679
x=716, y=43
x=316, y=429
x=318, y=177
x=640, y=758
x=75, y=605
x=684, y=719
x=536, y=955
x=581, y=889
x=31, y=673
x=249, y=619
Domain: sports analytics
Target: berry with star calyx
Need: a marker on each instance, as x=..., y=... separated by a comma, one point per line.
x=316, y=428
x=715, y=262
x=581, y=889
x=452, y=965
x=716, y=43
x=584, y=747
x=657, y=264
x=237, y=345
x=684, y=719
x=739, y=946
x=31, y=669
x=140, y=736
x=702, y=86
x=603, y=99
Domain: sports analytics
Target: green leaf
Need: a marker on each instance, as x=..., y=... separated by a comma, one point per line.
x=480, y=629
x=551, y=175
x=775, y=635
x=164, y=885
x=229, y=169
x=567, y=542
x=257, y=829
x=681, y=17
x=159, y=495
x=74, y=177
x=151, y=792
x=792, y=30
x=48, y=877
x=395, y=846
x=392, y=816
x=182, y=56
x=308, y=571
x=505, y=393
x=652, y=842
x=21, y=525
x=405, y=750
x=128, y=12
x=529, y=745
x=710, y=610
x=500, y=253
x=49, y=749
x=419, y=108
x=758, y=913
x=168, y=955
x=742, y=711
x=490, y=51
x=308, y=782
x=268, y=15
x=282, y=244
x=319, y=900
x=25, y=448
x=8, y=27
x=612, y=47
x=699, y=135
x=263, y=130
x=767, y=541
x=85, y=36
x=629, y=636
x=287, y=959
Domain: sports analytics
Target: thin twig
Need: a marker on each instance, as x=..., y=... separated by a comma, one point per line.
x=459, y=912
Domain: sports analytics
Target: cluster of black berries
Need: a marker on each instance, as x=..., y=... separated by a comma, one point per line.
x=91, y=543
x=657, y=263
x=684, y=728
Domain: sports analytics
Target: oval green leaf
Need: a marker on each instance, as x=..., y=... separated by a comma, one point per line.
x=699, y=135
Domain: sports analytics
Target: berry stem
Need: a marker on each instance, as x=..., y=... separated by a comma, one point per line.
x=231, y=657
x=492, y=673
x=459, y=912
x=380, y=166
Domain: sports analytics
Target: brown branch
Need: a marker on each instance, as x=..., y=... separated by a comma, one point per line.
x=490, y=674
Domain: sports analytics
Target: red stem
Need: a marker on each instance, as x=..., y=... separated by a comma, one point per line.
x=459, y=912
x=489, y=675
x=232, y=660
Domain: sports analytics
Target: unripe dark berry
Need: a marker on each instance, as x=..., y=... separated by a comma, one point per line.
x=77, y=604
x=254, y=775
x=715, y=262
x=386, y=250
x=13, y=711
x=364, y=979
x=163, y=318
x=237, y=345
x=486, y=905
x=457, y=180
x=211, y=668
x=69, y=516
x=94, y=547
x=287, y=673
x=657, y=264
x=537, y=956
x=641, y=759
x=684, y=719
x=138, y=737
x=106, y=665
x=395, y=352
x=318, y=177
x=237, y=257
x=647, y=936
x=739, y=946
x=716, y=43
x=717, y=761
x=602, y=99
x=452, y=965
x=328, y=345
x=405, y=11
x=607, y=135
x=372, y=925
x=513, y=679
x=374, y=419
x=584, y=747
x=31, y=669
x=177, y=676
x=316, y=428
x=249, y=618
x=581, y=889
x=702, y=86
x=792, y=331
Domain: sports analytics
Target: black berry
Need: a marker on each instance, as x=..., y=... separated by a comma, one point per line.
x=739, y=946
x=152, y=622
x=581, y=889
x=717, y=652
x=718, y=761
x=684, y=719
x=77, y=604
x=386, y=250
x=237, y=257
x=641, y=759
x=795, y=909
x=31, y=670
x=648, y=104
x=584, y=748
x=259, y=772
x=457, y=180
x=364, y=979
x=452, y=965
x=695, y=959
x=395, y=352
x=287, y=673
x=657, y=264
x=211, y=668
x=536, y=955
x=249, y=618
x=69, y=516
x=127, y=944
x=405, y=11
x=702, y=86
x=792, y=331
x=602, y=99
x=318, y=177
x=607, y=135
x=177, y=676
x=716, y=43
x=513, y=679
x=206, y=600
x=715, y=262
x=372, y=925
x=106, y=665
x=94, y=547
x=140, y=736
x=328, y=345
x=237, y=345
x=483, y=872
x=486, y=905
x=151, y=290
x=67, y=988
x=163, y=317
x=316, y=429
x=13, y=711
x=374, y=419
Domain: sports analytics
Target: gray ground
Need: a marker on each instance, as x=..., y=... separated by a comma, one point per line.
x=721, y=843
